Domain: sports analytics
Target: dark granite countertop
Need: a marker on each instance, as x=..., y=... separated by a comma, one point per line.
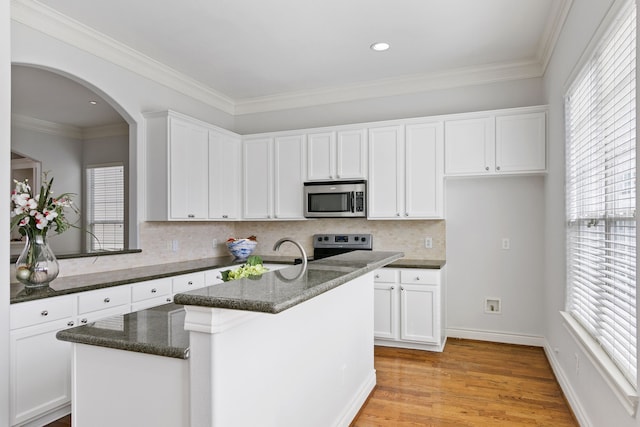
x=418, y=263
x=279, y=290
x=158, y=330
x=87, y=282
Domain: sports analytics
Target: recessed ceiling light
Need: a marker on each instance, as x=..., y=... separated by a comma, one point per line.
x=380, y=46
x=93, y=102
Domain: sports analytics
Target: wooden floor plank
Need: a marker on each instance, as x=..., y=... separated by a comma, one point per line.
x=471, y=383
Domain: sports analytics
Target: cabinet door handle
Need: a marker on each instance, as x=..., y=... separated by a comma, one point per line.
x=392, y=287
x=84, y=321
x=107, y=300
x=498, y=168
x=70, y=323
x=402, y=288
x=225, y=216
x=406, y=214
x=154, y=290
x=377, y=276
x=168, y=299
x=44, y=313
x=219, y=277
x=486, y=168
x=398, y=214
x=417, y=278
x=191, y=216
x=189, y=283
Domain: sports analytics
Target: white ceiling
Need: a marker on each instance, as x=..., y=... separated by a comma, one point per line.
x=253, y=54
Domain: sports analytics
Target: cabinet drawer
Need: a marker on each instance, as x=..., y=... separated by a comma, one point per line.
x=40, y=311
x=103, y=298
x=150, y=289
x=418, y=276
x=95, y=316
x=385, y=275
x=188, y=282
x=213, y=277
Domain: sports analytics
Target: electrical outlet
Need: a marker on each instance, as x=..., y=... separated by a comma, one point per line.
x=214, y=243
x=577, y=359
x=428, y=242
x=506, y=243
x=174, y=246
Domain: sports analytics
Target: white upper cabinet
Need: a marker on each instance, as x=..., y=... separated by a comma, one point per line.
x=520, y=142
x=177, y=168
x=225, y=173
x=405, y=172
x=337, y=155
x=273, y=177
x=497, y=143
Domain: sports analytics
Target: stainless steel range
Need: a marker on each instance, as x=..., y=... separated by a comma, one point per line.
x=326, y=245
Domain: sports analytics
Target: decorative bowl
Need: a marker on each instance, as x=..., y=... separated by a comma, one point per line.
x=241, y=248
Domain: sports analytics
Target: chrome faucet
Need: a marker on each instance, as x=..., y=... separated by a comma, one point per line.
x=302, y=252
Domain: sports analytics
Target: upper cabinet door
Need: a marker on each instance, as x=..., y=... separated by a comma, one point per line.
x=189, y=169
x=386, y=166
x=520, y=142
x=289, y=173
x=225, y=173
x=469, y=146
x=424, y=176
x=321, y=156
x=257, y=166
x=351, y=154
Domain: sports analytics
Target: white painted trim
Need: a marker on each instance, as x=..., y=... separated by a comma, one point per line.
x=501, y=337
x=61, y=27
x=567, y=389
x=358, y=401
x=621, y=388
x=552, y=31
x=214, y=320
x=491, y=73
x=43, y=126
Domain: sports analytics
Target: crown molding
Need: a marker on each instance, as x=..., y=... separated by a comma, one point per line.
x=552, y=31
x=50, y=22
x=59, y=26
x=68, y=131
x=462, y=77
x=43, y=126
x=106, y=131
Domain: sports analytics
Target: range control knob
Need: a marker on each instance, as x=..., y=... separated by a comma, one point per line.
x=364, y=239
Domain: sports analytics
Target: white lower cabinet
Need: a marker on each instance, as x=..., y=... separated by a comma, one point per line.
x=40, y=378
x=409, y=308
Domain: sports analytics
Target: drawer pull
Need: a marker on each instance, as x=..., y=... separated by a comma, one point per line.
x=417, y=277
x=168, y=299
x=219, y=277
x=189, y=283
x=154, y=290
x=402, y=288
x=70, y=323
x=107, y=300
x=377, y=276
x=44, y=313
x=84, y=321
x=392, y=288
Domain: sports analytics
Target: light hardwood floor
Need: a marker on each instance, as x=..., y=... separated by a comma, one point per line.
x=470, y=384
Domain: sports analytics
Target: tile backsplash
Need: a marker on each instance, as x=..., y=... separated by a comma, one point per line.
x=164, y=242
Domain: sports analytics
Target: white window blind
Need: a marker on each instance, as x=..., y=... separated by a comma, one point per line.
x=105, y=208
x=600, y=114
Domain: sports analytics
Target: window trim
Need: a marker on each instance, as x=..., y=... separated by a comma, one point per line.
x=85, y=218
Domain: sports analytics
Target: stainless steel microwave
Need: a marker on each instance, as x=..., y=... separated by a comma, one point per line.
x=335, y=199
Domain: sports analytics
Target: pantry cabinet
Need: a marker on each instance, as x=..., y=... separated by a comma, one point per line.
x=405, y=172
x=337, y=155
x=409, y=308
x=496, y=143
x=273, y=177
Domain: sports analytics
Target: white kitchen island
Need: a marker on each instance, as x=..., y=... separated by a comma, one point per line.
x=290, y=348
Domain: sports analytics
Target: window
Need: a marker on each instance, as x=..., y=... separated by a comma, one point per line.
x=600, y=115
x=105, y=208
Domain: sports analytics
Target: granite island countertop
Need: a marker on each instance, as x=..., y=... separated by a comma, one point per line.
x=154, y=330
x=277, y=291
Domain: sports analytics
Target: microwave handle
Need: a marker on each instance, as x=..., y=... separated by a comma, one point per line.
x=353, y=202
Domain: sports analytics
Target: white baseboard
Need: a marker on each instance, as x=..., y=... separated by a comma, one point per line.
x=565, y=385
x=358, y=401
x=501, y=337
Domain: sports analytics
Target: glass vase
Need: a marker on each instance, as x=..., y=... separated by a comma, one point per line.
x=36, y=266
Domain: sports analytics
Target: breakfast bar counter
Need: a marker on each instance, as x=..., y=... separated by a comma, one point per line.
x=295, y=345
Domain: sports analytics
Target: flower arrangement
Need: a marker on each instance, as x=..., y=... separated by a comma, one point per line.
x=36, y=215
